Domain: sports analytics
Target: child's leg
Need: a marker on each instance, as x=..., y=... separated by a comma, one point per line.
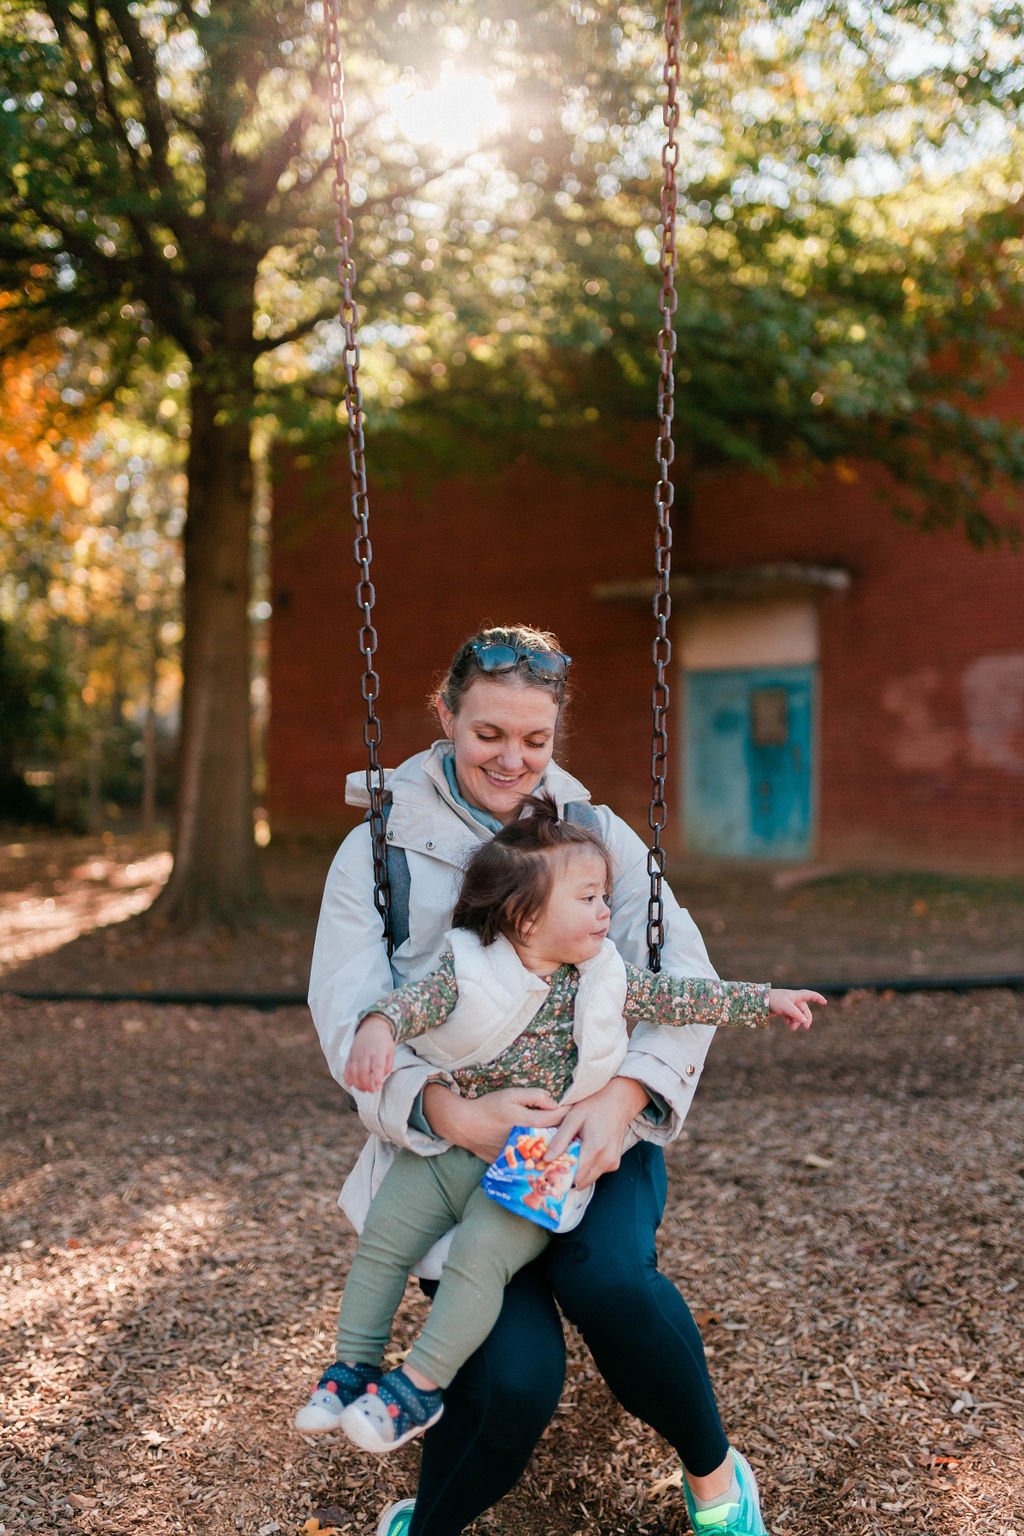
x=419, y=1200
x=490, y=1245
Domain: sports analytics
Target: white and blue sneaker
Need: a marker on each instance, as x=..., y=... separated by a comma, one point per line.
x=339, y=1385
x=390, y=1413
x=732, y=1517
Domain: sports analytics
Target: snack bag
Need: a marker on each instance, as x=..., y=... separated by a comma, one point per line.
x=526, y=1183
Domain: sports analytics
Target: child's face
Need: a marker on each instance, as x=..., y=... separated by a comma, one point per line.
x=573, y=923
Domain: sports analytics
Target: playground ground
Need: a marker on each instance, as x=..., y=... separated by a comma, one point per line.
x=844, y=1219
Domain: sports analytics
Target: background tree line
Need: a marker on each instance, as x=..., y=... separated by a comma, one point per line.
x=850, y=282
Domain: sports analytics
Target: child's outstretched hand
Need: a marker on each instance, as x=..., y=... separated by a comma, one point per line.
x=371, y=1056
x=794, y=1006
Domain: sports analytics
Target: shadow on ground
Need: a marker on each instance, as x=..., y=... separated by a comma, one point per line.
x=74, y=917
x=844, y=1218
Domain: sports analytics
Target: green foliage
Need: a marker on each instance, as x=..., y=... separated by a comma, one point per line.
x=849, y=250
x=848, y=217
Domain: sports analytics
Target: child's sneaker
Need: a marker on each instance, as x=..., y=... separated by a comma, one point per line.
x=731, y=1517
x=339, y=1385
x=391, y=1412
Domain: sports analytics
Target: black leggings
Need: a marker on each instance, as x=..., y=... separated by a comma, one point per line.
x=636, y=1325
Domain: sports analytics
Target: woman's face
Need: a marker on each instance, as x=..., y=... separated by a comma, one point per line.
x=504, y=735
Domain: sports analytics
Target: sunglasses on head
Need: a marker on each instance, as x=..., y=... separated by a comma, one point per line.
x=549, y=666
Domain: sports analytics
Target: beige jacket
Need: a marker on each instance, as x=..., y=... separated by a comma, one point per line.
x=350, y=963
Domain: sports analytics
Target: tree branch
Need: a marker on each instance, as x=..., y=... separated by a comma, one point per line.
x=267, y=344
x=265, y=173
x=146, y=83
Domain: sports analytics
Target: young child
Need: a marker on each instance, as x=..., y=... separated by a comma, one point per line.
x=531, y=994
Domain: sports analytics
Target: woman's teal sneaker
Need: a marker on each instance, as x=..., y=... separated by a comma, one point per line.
x=729, y=1519
x=396, y=1519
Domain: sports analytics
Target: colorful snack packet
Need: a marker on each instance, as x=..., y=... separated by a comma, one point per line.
x=522, y=1179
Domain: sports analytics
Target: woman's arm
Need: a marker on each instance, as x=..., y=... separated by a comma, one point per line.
x=482, y=1125
x=350, y=972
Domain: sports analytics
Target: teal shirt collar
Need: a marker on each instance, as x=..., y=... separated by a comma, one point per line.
x=483, y=817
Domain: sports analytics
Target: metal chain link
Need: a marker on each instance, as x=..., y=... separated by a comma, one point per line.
x=661, y=651
x=348, y=313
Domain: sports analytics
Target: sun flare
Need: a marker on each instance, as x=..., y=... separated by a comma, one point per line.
x=456, y=115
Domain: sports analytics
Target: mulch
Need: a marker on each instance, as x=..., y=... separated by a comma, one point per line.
x=73, y=916
x=844, y=1218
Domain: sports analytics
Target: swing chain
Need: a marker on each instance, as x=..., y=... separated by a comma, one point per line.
x=661, y=650
x=348, y=314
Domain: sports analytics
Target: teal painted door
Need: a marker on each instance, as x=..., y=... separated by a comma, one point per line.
x=749, y=779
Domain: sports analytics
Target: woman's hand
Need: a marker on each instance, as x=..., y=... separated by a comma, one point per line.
x=482, y=1125
x=372, y=1054
x=794, y=1006
x=601, y=1122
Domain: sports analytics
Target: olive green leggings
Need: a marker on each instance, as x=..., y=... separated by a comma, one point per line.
x=419, y=1200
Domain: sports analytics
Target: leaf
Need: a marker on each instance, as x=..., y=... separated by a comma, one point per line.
x=326, y=1522
x=674, y=1480
x=706, y=1319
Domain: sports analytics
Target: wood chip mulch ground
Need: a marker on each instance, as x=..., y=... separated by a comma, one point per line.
x=73, y=917
x=844, y=1218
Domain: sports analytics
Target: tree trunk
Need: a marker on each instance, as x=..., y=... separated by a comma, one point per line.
x=149, y=726
x=93, y=776
x=214, y=878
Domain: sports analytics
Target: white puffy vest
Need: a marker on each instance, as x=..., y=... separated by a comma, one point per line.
x=498, y=998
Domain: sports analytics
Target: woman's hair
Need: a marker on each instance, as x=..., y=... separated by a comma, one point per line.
x=464, y=670
x=508, y=880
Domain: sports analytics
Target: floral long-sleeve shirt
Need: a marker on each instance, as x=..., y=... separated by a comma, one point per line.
x=544, y=1055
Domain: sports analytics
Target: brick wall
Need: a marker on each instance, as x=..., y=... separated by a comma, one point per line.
x=529, y=547
x=921, y=663
x=921, y=667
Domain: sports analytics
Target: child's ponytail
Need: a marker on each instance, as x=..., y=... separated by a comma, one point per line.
x=507, y=881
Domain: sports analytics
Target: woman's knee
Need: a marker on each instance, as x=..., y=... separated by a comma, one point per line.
x=608, y=1267
x=508, y=1392
x=610, y=1289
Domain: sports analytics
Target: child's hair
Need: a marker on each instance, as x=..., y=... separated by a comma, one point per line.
x=508, y=880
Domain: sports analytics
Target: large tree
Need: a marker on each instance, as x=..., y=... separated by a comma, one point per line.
x=165, y=196
x=144, y=150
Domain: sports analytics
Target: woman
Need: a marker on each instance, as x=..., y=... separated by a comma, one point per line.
x=499, y=709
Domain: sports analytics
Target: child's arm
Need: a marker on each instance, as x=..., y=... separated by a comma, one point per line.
x=402, y=1015
x=664, y=999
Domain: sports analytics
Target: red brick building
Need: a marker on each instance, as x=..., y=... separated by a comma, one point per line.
x=843, y=687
